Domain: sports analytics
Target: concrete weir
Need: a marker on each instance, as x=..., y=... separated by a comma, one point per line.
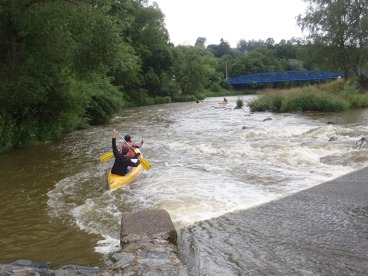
x=148, y=245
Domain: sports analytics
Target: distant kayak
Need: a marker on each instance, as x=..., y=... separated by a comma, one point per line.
x=115, y=180
x=223, y=102
x=200, y=102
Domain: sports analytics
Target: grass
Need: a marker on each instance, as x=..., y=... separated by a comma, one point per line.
x=336, y=96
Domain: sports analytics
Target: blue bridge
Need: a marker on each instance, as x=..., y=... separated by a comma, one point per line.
x=284, y=76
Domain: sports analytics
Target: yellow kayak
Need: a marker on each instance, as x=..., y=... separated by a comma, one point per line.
x=223, y=102
x=115, y=181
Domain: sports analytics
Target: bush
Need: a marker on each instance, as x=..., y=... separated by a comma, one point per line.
x=7, y=133
x=336, y=96
x=353, y=96
x=276, y=103
x=300, y=102
x=105, y=101
x=162, y=100
x=239, y=103
x=225, y=85
x=215, y=87
x=185, y=98
x=263, y=103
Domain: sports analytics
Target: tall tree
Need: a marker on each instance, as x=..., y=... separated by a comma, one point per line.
x=55, y=60
x=341, y=26
x=150, y=39
x=193, y=68
x=221, y=49
x=257, y=61
x=250, y=45
x=200, y=41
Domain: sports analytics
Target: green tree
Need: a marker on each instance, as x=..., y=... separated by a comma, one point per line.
x=285, y=51
x=54, y=69
x=200, y=41
x=221, y=49
x=194, y=66
x=150, y=40
x=257, y=61
x=270, y=42
x=341, y=26
x=250, y=45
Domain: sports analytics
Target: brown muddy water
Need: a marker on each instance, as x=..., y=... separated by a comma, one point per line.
x=208, y=161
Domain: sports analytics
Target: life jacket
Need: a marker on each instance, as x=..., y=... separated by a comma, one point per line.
x=131, y=153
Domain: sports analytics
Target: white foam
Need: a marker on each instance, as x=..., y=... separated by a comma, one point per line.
x=108, y=245
x=206, y=165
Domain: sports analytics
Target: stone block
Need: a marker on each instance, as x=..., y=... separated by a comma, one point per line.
x=148, y=223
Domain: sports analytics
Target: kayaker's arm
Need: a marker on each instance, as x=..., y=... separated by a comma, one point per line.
x=114, y=148
x=134, y=164
x=136, y=146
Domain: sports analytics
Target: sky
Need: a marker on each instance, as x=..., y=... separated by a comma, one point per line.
x=232, y=20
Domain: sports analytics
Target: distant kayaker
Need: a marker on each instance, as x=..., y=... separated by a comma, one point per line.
x=122, y=160
x=131, y=146
x=225, y=100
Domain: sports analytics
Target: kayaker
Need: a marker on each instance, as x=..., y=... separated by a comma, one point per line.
x=131, y=146
x=122, y=160
x=225, y=100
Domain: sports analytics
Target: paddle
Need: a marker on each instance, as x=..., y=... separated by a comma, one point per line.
x=145, y=164
x=106, y=156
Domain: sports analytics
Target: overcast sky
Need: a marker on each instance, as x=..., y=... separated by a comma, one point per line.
x=232, y=20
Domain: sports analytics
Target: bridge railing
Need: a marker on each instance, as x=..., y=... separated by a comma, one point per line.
x=284, y=76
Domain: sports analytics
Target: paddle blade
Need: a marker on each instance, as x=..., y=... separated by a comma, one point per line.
x=145, y=164
x=106, y=156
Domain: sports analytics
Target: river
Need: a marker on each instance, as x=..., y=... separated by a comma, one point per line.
x=207, y=161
